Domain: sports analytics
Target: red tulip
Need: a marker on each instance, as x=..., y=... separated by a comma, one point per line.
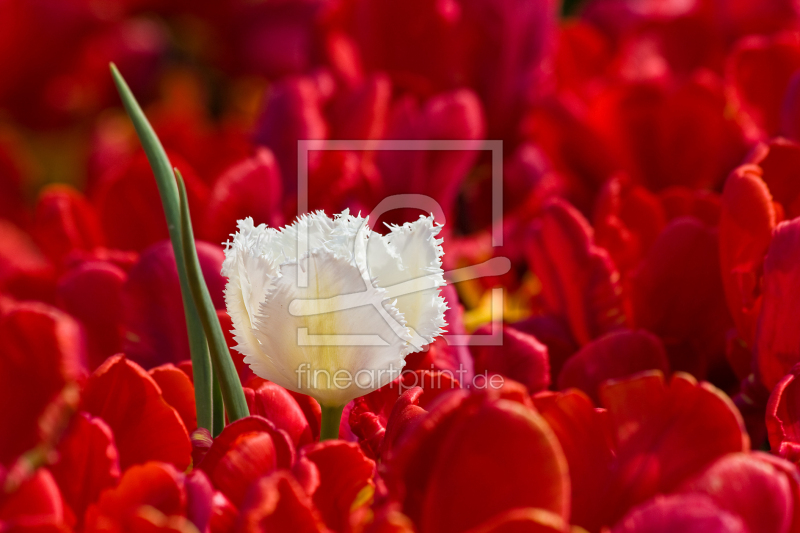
x=515, y=462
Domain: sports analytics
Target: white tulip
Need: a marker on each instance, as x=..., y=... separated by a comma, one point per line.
x=369, y=301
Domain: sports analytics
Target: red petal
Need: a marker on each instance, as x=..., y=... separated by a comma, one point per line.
x=24, y=271
x=777, y=337
x=664, y=434
x=178, y=391
x=523, y=520
x=627, y=221
x=344, y=471
x=750, y=488
x=92, y=293
x=126, y=200
x=521, y=357
x=274, y=403
x=251, y=188
x=41, y=350
x=454, y=115
x=65, y=221
x=779, y=160
x=688, y=513
x=677, y=294
x=277, y=503
x=370, y=415
x=87, y=463
x=153, y=484
x=145, y=427
x=581, y=431
x=616, y=355
x=783, y=417
x=758, y=72
x=246, y=450
x=154, y=318
x=579, y=281
x=745, y=231
x=35, y=504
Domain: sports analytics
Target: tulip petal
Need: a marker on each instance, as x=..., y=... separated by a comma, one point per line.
x=521, y=357
x=615, y=355
x=178, y=391
x=278, y=503
x=687, y=513
x=411, y=254
x=750, y=488
x=145, y=427
x=41, y=350
x=87, y=463
x=344, y=471
x=777, y=336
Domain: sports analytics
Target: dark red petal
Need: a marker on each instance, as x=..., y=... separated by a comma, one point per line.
x=153, y=484
x=783, y=417
x=677, y=294
x=292, y=111
x=579, y=281
x=145, y=427
x=154, y=318
x=758, y=72
x=65, y=221
x=664, y=434
x=274, y=403
x=251, y=188
x=277, y=503
x=615, y=355
x=779, y=159
x=777, y=337
x=581, y=431
x=521, y=357
x=745, y=231
x=87, y=463
x=178, y=391
x=344, y=471
x=750, y=488
x=41, y=350
x=627, y=221
x=688, y=513
x=92, y=293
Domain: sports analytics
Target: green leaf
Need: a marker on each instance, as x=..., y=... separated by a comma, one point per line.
x=224, y=369
x=162, y=170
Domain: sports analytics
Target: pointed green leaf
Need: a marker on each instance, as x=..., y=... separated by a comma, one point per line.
x=162, y=170
x=224, y=370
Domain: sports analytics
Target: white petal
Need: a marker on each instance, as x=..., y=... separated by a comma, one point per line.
x=294, y=364
x=407, y=262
